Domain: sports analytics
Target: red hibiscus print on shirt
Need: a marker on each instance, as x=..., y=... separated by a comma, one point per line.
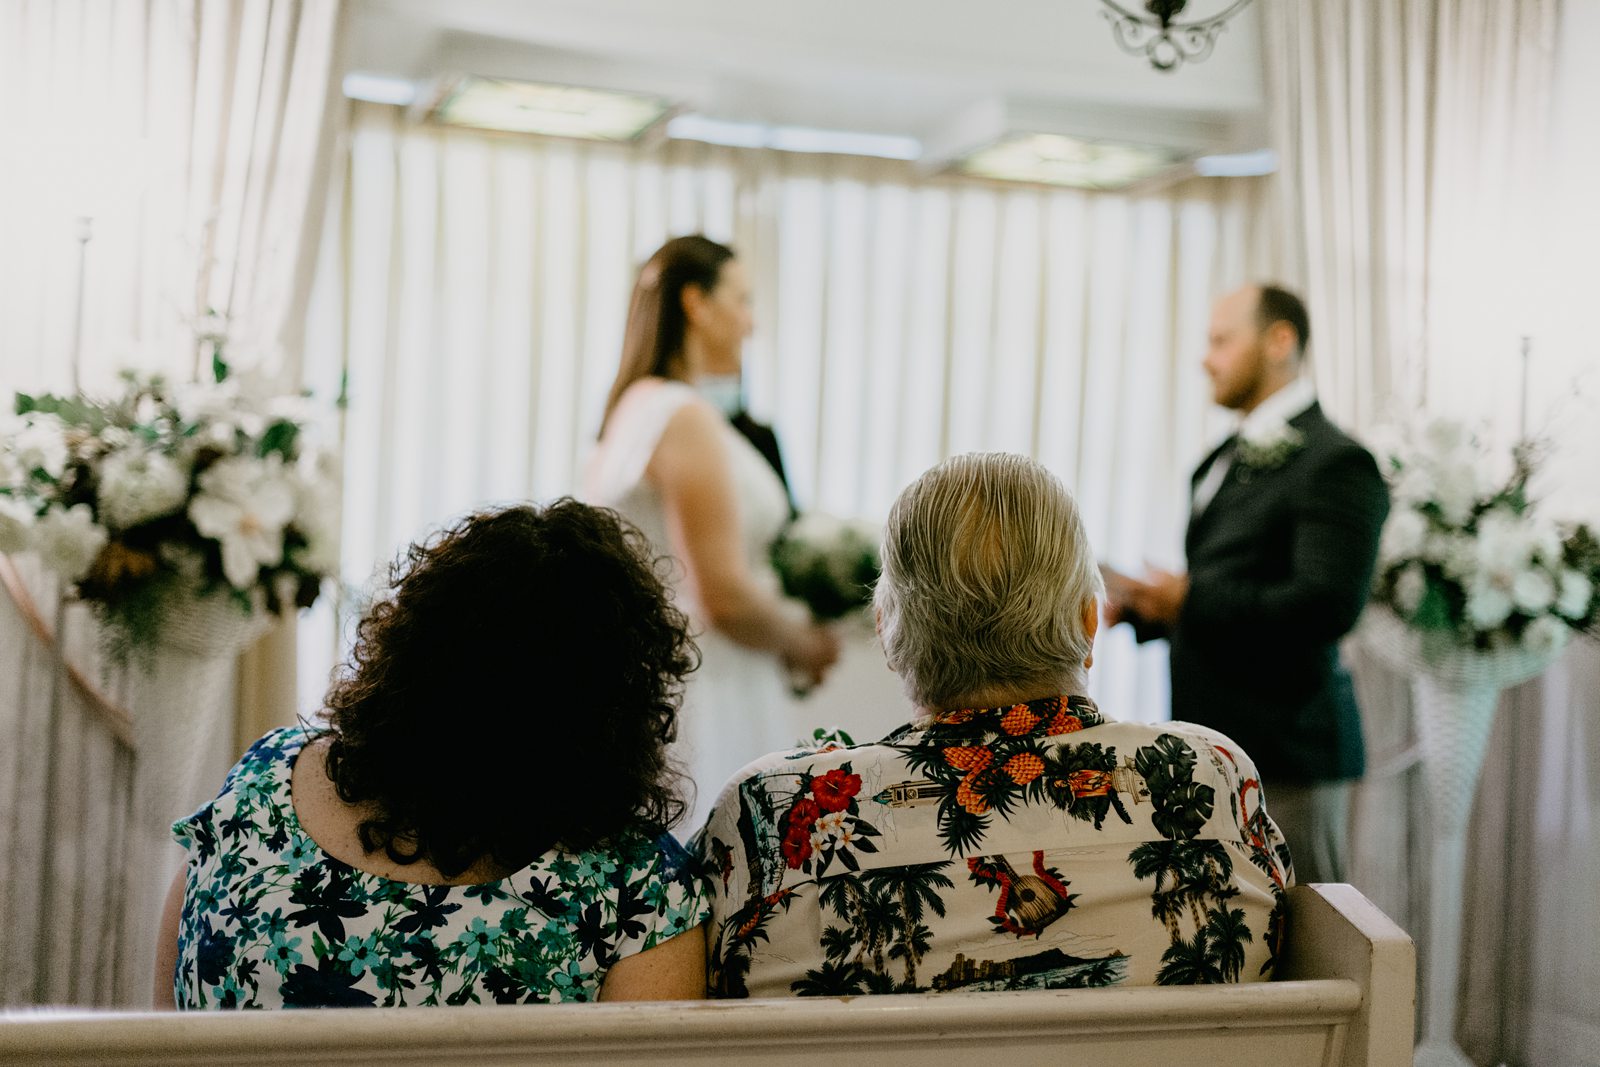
x=834, y=791
x=798, y=825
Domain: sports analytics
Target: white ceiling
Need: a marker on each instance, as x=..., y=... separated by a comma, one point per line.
x=887, y=66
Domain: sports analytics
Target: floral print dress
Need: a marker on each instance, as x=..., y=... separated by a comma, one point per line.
x=1035, y=846
x=270, y=920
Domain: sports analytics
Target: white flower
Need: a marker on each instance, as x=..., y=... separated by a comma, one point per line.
x=296, y=409
x=832, y=830
x=1576, y=592
x=815, y=529
x=114, y=437
x=1408, y=589
x=1543, y=539
x=204, y=403
x=146, y=411
x=1445, y=438
x=1404, y=535
x=16, y=525
x=68, y=540
x=1491, y=473
x=316, y=513
x=221, y=410
x=831, y=824
x=1413, y=487
x=11, y=473
x=1544, y=634
x=1266, y=442
x=1457, y=554
x=244, y=504
x=1488, y=605
x=1455, y=490
x=1503, y=544
x=137, y=485
x=1533, y=591
x=41, y=445
x=1266, y=432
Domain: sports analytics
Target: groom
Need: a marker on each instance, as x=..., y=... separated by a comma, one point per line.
x=1282, y=539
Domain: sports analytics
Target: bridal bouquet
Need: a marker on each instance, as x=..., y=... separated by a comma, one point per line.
x=1465, y=553
x=828, y=563
x=162, y=493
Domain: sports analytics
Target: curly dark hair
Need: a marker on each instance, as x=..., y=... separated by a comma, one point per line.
x=515, y=690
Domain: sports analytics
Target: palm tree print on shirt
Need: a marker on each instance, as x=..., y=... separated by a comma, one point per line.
x=1194, y=880
x=837, y=869
x=880, y=927
x=1214, y=955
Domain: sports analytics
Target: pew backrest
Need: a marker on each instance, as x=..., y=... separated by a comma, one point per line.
x=1345, y=998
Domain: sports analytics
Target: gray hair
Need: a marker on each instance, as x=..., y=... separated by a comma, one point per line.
x=986, y=570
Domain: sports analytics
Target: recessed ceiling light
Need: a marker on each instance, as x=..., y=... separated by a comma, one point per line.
x=1237, y=164
x=553, y=110
x=379, y=88
x=1056, y=159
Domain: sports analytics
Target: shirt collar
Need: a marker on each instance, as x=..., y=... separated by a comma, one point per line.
x=1046, y=717
x=1287, y=403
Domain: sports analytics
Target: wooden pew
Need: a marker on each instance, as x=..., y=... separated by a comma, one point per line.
x=1344, y=998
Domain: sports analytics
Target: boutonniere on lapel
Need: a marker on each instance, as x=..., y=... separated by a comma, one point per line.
x=1267, y=446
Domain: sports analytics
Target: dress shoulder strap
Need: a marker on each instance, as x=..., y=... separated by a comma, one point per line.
x=631, y=437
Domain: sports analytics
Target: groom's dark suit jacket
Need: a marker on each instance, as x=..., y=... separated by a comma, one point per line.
x=1280, y=564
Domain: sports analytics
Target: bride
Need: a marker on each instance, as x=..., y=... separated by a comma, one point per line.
x=671, y=462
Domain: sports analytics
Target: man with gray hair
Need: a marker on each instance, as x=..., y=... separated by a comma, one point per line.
x=1012, y=836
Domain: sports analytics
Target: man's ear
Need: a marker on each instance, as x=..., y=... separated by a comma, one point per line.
x=1091, y=625
x=1282, y=343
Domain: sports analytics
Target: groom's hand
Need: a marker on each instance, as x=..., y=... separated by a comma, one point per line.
x=1158, y=598
x=1116, y=608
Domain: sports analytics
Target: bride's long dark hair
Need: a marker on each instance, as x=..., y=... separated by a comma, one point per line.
x=653, y=341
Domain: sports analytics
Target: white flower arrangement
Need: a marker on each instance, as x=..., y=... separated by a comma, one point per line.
x=1268, y=445
x=829, y=563
x=1465, y=553
x=164, y=493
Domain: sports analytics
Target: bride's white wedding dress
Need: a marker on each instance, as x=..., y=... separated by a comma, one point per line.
x=736, y=706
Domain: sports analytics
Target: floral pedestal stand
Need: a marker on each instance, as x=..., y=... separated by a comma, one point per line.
x=182, y=702
x=1455, y=692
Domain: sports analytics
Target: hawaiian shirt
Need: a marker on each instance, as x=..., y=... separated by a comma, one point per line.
x=270, y=920
x=1036, y=846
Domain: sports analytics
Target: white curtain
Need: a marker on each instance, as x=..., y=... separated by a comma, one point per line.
x=477, y=288
x=1424, y=205
x=1413, y=142
x=181, y=149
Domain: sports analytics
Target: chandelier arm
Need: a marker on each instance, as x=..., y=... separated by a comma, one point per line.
x=1125, y=13
x=1167, y=45
x=1133, y=38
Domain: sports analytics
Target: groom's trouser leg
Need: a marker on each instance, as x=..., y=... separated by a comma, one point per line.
x=1315, y=820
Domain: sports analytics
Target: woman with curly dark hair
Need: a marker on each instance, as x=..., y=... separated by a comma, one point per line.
x=485, y=816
